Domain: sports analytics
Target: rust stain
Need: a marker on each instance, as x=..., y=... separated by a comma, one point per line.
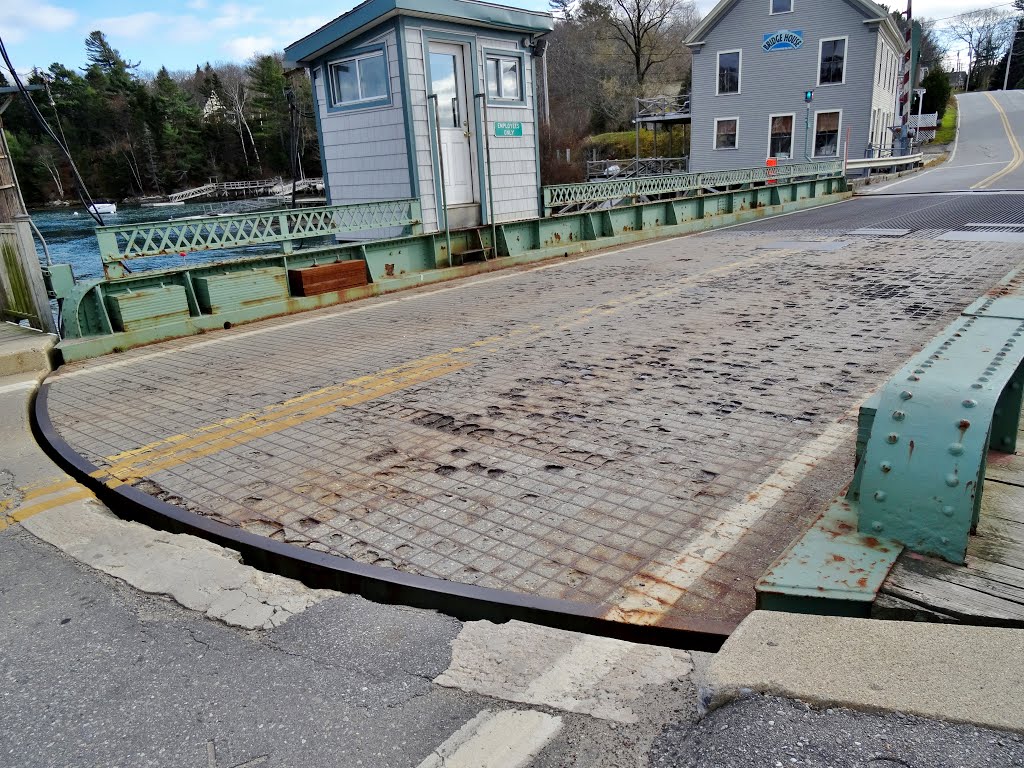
x=862, y=582
x=911, y=455
x=838, y=559
x=871, y=541
x=964, y=426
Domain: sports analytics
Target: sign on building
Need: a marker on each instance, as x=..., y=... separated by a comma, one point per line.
x=508, y=129
x=783, y=40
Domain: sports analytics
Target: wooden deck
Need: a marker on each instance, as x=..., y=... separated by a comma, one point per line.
x=989, y=589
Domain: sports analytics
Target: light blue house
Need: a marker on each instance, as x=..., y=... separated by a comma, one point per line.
x=372, y=72
x=754, y=61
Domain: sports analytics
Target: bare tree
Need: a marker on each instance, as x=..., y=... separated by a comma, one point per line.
x=986, y=32
x=233, y=79
x=651, y=31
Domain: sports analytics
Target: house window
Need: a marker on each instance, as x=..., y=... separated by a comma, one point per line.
x=833, y=62
x=782, y=6
x=361, y=78
x=725, y=132
x=729, y=71
x=826, y=134
x=780, y=143
x=503, y=78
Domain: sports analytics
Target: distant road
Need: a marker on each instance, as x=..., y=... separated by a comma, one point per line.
x=988, y=155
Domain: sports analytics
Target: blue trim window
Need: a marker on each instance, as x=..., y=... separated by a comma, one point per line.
x=503, y=71
x=360, y=79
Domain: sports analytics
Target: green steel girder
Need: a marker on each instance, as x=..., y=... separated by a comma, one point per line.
x=92, y=329
x=922, y=447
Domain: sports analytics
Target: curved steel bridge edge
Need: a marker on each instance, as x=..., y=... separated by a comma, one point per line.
x=465, y=602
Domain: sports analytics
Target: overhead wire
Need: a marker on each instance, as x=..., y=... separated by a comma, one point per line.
x=83, y=192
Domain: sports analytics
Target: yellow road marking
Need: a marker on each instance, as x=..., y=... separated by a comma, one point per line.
x=172, y=451
x=1018, y=154
x=24, y=513
x=34, y=492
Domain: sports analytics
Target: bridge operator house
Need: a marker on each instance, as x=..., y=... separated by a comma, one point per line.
x=373, y=72
x=754, y=62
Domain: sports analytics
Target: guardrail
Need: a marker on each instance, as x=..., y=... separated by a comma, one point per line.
x=884, y=162
x=568, y=198
x=203, y=233
x=645, y=166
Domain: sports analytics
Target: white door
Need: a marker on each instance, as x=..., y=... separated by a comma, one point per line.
x=448, y=81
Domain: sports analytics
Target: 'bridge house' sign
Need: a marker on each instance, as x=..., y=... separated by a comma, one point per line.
x=783, y=40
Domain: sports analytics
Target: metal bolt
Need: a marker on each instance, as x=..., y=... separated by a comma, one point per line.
x=905, y=395
x=919, y=370
x=956, y=449
x=952, y=480
x=885, y=467
x=877, y=527
x=944, y=540
x=975, y=386
x=968, y=403
x=898, y=415
x=948, y=510
x=880, y=495
x=892, y=438
x=913, y=378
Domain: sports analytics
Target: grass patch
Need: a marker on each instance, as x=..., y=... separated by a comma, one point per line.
x=622, y=144
x=947, y=131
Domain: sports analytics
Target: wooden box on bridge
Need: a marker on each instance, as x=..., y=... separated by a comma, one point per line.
x=325, y=278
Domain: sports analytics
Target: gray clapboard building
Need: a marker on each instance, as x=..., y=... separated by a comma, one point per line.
x=372, y=71
x=755, y=60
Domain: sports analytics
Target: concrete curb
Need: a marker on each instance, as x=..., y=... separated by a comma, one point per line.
x=957, y=673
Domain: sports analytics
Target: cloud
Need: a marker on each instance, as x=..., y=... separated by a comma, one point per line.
x=25, y=18
x=241, y=48
x=196, y=5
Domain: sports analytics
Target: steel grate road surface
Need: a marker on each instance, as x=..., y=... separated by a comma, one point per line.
x=642, y=430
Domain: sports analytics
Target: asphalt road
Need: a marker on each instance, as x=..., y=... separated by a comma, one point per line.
x=987, y=156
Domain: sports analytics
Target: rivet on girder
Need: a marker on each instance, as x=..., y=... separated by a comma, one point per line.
x=948, y=510
x=952, y=480
x=905, y=395
x=892, y=438
x=975, y=386
x=885, y=466
x=880, y=495
x=944, y=540
x=969, y=403
x=913, y=378
x=919, y=370
x=983, y=378
x=877, y=527
x=956, y=449
x=898, y=415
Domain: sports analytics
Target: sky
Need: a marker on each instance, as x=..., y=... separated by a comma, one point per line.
x=180, y=34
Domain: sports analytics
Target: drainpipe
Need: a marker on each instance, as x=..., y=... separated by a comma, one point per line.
x=442, y=204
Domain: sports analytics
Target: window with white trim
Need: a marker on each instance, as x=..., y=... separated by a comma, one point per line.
x=360, y=78
x=780, y=141
x=781, y=6
x=729, y=71
x=726, y=129
x=503, y=78
x=833, y=61
x=826, y=134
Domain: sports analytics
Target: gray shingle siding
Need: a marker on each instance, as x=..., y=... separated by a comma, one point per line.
x=773, y=83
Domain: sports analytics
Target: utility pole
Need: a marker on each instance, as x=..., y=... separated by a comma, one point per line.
x=1009, y=56
x=906, y=88
x=22, y=292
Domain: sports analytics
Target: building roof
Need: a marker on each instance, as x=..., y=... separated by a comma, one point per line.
x=372, y=12
x=871, y=11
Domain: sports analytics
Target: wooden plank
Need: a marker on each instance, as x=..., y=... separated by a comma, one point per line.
x=311, y=281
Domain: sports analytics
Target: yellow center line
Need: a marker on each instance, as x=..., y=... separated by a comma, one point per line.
x=131, y=465
x=24, y=513
x=1018, y=154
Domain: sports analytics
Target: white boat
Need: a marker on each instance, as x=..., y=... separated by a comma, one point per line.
x=102, y=207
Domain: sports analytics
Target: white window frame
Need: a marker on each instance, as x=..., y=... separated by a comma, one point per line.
x=739, y=73
x=846, y=57
x=335, y=102
x=792, y=133
x=519, y=97
x=714, y=136
x=839, y=134
x=779, y=13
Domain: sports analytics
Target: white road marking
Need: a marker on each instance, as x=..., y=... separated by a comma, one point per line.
x=653, y=592
x=506, y=739
x=996, y=224
x=597, y=676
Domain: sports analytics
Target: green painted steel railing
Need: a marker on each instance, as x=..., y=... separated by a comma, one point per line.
x=135, y=241
x=567, y=198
